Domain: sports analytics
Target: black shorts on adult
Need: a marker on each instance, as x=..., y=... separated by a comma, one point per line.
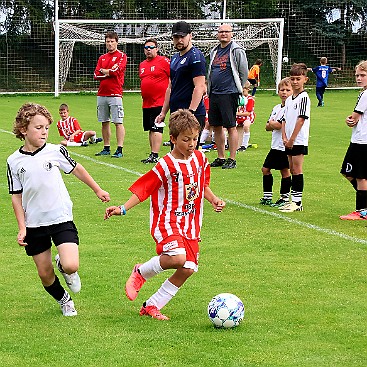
x=297, y=150
x=276, y=159
x=39, y=239
x=149, y=115
x=222, y=109
x=354, y=164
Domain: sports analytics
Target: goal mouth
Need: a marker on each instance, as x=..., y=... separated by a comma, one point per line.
x=248, y=33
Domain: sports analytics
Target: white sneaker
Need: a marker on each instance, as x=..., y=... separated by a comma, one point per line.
x=291, y=207
x=68, y=309
x=72, y=280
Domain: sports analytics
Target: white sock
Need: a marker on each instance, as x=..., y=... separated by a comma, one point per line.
x=150, y=268
x=164, y=294
x=73, y=144
x=245, y=140
x=204, y=136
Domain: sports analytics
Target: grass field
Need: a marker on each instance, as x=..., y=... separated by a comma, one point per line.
x=302, y=276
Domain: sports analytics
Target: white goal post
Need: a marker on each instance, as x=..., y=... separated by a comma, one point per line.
x=249, y=33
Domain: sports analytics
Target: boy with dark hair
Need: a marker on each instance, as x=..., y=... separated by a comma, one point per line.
x=177, y=185
x=295, y=133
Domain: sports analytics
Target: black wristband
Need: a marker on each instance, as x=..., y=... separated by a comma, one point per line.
x=192, y=111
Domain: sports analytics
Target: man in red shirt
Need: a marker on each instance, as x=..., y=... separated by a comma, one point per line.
x=154, y=74
x=110, y=71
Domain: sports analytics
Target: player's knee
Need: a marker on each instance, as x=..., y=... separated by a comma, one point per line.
x=70, y=266
x=46, y=274
x=177, y=261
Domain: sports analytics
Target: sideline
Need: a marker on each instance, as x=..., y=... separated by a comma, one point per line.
x=327, y=231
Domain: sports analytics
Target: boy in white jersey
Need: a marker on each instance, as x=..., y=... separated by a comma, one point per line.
x=177, y=186
x=295, y=133
x=42, y=205
x=354, y=166
x=277, y=158
x=71, y=131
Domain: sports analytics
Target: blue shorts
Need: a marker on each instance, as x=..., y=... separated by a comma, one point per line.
x=39, y=239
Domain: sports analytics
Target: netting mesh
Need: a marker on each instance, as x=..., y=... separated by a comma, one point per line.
x=248, y=35
x=314, y=28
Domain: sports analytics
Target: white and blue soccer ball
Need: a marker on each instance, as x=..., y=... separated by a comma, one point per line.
x=226, y=310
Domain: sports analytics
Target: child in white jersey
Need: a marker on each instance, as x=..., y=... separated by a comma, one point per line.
x=177, y=186
x=295, y=133
x=277, y=158
x=354, y=166
x=71, y=131
x=42, y=205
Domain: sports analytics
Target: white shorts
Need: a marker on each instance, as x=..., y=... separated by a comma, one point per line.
x=110, y=107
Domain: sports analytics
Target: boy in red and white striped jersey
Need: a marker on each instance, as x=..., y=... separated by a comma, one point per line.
x=177, y=185
x=69, y=128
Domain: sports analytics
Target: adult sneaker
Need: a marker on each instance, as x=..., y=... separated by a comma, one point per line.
x=103, y=152
x=117, y=154
x=153, y=312
x=150, y=159
x=68, y=309
x=229, y=164
x=134, y=283
x=264, y=201
x=218, y=162
x=72, y=280
x=357, y=215
x=291, y=207
x=279, y=203
x=242, y=148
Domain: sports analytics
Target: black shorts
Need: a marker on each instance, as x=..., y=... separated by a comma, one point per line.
x=276, y=159
x=297, y=150
x=149, y=115
x=222, y=110
x=354, y=164
x=252, y=81
x=39, y=239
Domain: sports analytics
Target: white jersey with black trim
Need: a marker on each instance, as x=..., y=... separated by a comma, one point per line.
x=277, y=114
x=298, y=106
x=359, y=131
x=37, y=177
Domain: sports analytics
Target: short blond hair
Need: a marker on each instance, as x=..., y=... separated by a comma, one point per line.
x=24, y=116
x=284, y=81
x=182, y=120
x=362, y=65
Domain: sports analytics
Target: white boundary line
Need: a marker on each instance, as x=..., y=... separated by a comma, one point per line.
x=329, y=232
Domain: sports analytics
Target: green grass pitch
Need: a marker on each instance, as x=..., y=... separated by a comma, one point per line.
x=301, y=276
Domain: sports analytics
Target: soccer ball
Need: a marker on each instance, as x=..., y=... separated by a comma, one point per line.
x=285, y=59
x=226, y=310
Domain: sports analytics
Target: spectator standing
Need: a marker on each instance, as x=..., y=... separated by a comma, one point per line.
x=227, y=75
x=154, y=76
x=110, y=72
x=187, y=76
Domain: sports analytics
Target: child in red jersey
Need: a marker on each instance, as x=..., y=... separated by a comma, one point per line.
x=71, y=131
x=177, y=186
x=245, y=117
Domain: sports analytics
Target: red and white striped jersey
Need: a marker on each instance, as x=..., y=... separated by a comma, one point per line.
x=68, y=127
x=176, y=188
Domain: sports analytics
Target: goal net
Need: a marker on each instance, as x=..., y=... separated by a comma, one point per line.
x=79, y=43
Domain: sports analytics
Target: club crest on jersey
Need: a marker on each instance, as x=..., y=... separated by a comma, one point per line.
x=183, y=61
x=295, y=106
x=114, y=58
x=49, y=164
x=192, y=191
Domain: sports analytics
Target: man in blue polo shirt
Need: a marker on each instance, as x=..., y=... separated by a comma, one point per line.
x=187, y=76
